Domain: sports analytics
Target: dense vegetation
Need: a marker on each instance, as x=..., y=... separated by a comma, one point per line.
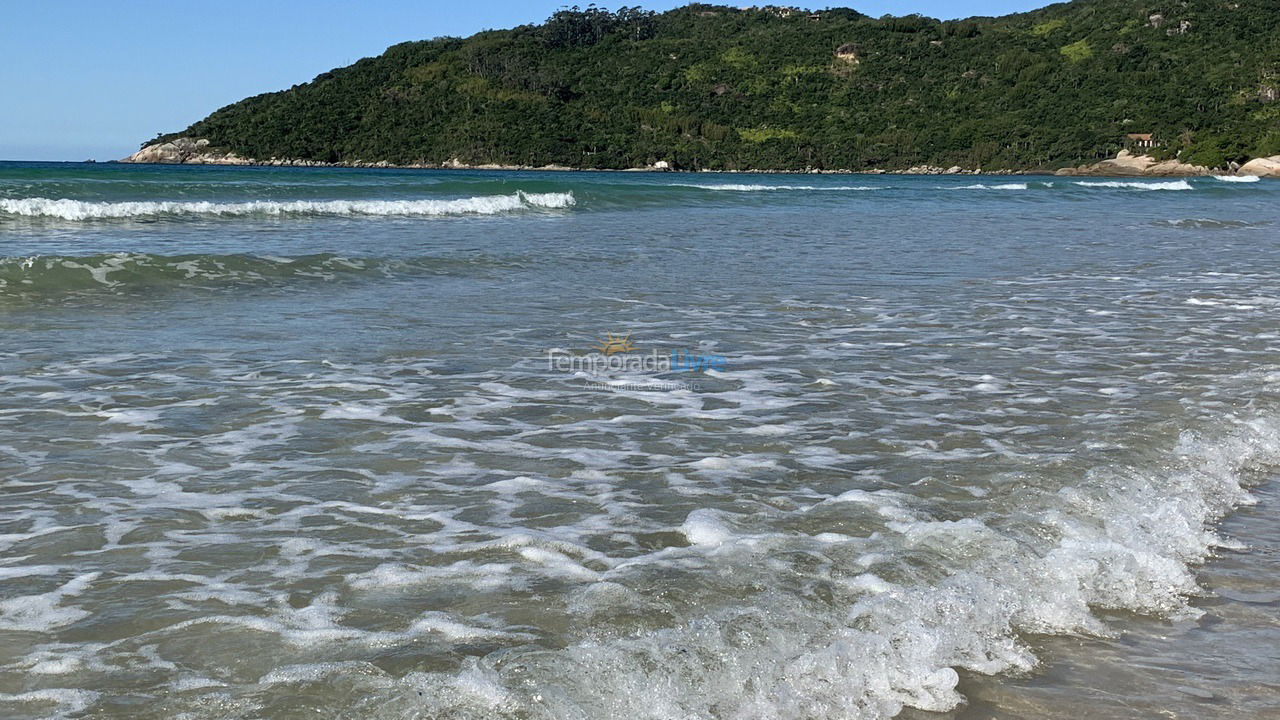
x=715, y=87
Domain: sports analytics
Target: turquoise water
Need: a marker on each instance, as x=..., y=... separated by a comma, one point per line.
x=281, y=442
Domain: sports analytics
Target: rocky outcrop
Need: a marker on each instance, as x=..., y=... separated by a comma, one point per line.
x=191, y=151
x=953, y=170
x=1262, y=167
x=176, y=151
x=1126, y=164
x=848, y=53
x=185, y=150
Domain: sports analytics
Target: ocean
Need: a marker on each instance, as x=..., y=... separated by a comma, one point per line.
x=343, y=443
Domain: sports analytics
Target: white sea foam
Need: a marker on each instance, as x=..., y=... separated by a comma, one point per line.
x=732, y=187
x=1001, y=186
x=89, y=210
x=44, y=611
x=1237, y=178
x=1120, y=542
x=1211, y=224
x=67, y=701
x=1127, y=185
x=773, y=547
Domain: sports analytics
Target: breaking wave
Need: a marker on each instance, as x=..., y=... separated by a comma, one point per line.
x=1127, y=185
x=1001, y=186
x=89, y=210
x=858, y=634
x=729, y=187
x=1237, y=178
x=1209, y=224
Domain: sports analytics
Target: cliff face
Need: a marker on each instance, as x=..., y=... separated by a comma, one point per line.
x=720, y=88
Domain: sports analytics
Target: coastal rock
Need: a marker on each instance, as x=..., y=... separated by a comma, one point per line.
x=1173, y=168
x=185, y=150
x=1126, y=164
x=172, y=152
x=1262, y=167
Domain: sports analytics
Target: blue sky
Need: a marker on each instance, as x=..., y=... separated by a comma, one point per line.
x=93, y=78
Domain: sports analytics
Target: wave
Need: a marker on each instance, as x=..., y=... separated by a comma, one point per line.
x=1210, y=224
x=1001, y=186
x=1237, y=178
x=43, y=277
x=856, y=633
x=728, y=187
x=89, y=210
x=1125, y=185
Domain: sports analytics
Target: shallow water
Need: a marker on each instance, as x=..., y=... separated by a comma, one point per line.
x=279, y=443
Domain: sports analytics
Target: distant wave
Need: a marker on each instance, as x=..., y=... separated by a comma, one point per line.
x=1210, y=224
x=1001, y=186
x=88, y=210
x=759, y=188
x=1169, y=185
x=1237, y=178
x=46, y=277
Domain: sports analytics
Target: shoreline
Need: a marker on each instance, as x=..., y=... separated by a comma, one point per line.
x=910, y=172
x=185, y=151
x=560, y=168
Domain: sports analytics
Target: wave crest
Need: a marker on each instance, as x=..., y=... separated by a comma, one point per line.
x=67, y=209
x=1210, y=224
x=1001, y=186
x=877, y=638
x=732, y=187
x=1129, y=185
x=53, y=276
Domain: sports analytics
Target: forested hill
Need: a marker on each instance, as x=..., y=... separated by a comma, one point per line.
x=715, y=87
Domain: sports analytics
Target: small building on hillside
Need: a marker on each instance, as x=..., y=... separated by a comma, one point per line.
x=1140, y=140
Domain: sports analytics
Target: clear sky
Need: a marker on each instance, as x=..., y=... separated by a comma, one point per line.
x=93, y=78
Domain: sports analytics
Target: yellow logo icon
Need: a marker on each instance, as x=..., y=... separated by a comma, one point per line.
x=613, y=344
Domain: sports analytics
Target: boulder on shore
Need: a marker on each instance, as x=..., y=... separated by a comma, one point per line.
x=1262, y=167
x=184, y=150
x=174, y=151
x=1126, y=164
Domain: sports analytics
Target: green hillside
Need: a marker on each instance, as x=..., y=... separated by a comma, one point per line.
x=715, y=87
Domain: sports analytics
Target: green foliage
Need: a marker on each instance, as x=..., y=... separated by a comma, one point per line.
x=1077, y=51
x=759, y=135
x=575, y=27
x=962, y=29
x=1047, y=27
x=1214, y=150
x=908, y=23
x=708, y=86
x=1268, y=146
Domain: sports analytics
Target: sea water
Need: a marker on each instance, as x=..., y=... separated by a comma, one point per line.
x=284, y=443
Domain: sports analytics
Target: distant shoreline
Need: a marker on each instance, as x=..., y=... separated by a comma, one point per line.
x=189, y=151
x=564, y=169
x=911, y=172
x=198, y=151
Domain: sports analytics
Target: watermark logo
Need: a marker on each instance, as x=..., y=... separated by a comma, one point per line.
x=616, y=355
x=612, y=344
